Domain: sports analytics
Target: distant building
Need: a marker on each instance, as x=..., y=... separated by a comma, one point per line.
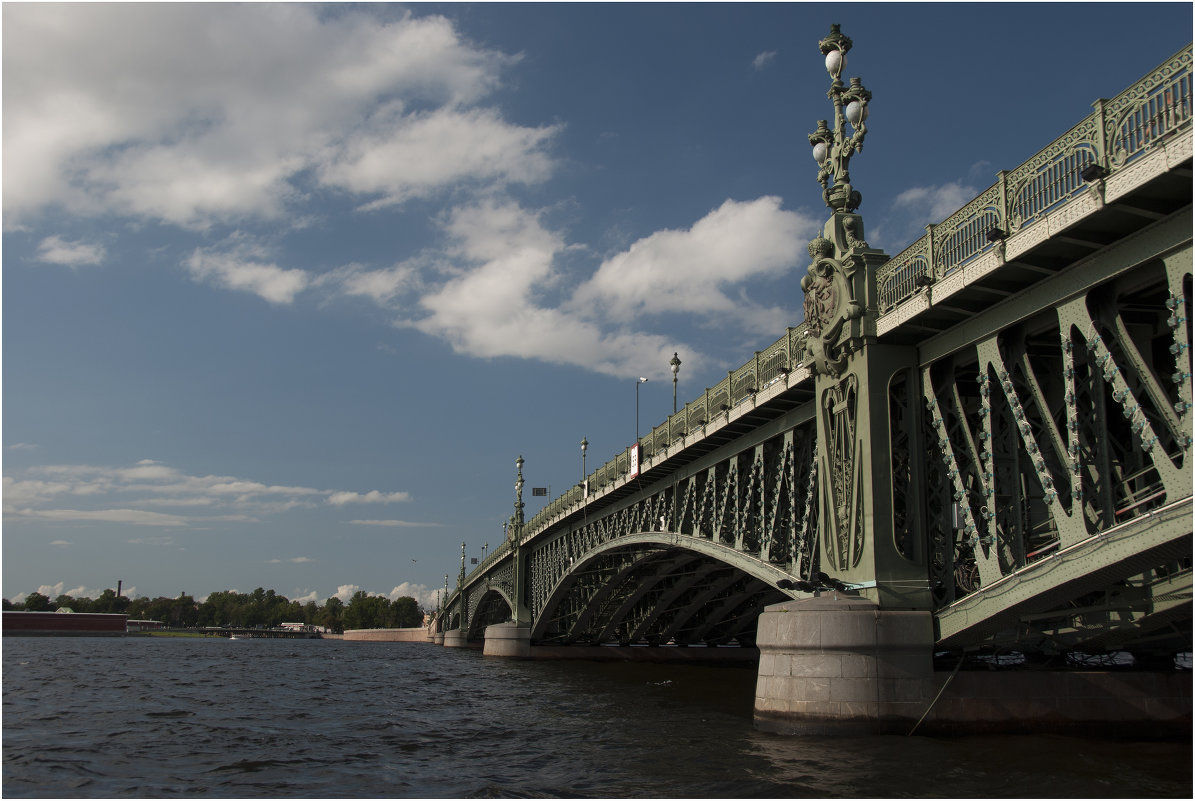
x=64, y=623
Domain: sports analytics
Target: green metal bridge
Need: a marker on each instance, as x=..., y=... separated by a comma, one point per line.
x=993, y=426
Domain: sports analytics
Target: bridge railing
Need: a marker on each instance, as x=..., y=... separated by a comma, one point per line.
x=1119, y=132
x=767, y=367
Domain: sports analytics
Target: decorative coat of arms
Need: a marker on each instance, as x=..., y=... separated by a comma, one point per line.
x=829, y=305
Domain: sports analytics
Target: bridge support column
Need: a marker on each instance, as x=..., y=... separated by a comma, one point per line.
x=457, y=638
x=507, y=639
x=438, y=638
x=833, y=665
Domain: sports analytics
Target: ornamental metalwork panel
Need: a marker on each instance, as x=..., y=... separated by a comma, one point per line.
x=1149, y=113
x=1059, y=428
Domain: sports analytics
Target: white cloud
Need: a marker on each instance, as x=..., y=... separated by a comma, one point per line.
x=56, y=250
x=426, y=598
x=400, y=156
x=22, y=446
x=381, y=286
x=373, y=496
x=345, y=592
x=201, y=114
x=132, y=494
x=312, y=597
x=151, y=541
x=763, y=59
x=237, y=269
x=691, y=270
x=935, y=203
x=395, y=524
x=133, y=517
x=915, y=208
x=491, y=306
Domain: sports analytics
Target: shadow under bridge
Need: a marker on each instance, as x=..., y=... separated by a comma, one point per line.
x=656, y=588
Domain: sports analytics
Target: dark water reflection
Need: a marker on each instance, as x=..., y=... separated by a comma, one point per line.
x=184, y=717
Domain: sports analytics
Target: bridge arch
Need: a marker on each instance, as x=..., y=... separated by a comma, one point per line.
x=658, y=587
x=493, y=606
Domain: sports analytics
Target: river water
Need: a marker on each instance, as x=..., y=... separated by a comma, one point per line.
x=175, y=717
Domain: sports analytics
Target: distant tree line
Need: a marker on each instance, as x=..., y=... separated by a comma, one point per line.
x=263, y=608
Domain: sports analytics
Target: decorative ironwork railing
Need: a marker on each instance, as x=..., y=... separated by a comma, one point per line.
x=768, y=366
x=1119, y=132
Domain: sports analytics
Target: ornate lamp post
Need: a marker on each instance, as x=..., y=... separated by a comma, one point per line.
x=832, y=148
x=519, y=495
x=641, y=380
x=675, y=365
x=857, y=505
x=515, y=532
x=584, y=472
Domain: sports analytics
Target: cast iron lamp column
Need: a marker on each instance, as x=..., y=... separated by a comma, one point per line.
x=832, y=148
x=641, y=380
x=584, y=472
x=519, y=614
x=675, y=365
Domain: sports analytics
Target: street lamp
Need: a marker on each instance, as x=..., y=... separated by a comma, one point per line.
x=518, y=518
x=584, y=472
x=832, y=148
x=675, y=365
x=641, y=380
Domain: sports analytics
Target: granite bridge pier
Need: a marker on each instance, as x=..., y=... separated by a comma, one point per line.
x=972, y=454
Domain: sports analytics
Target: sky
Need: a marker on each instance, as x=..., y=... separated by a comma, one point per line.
x=288, y=288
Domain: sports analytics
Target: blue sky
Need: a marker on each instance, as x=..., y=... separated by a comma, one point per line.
x=287, y=288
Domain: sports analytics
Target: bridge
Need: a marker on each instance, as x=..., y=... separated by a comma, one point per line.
x=977, y=448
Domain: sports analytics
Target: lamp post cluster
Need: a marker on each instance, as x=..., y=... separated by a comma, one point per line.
x=832, y=148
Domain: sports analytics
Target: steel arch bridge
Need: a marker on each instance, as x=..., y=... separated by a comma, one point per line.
x=995, y=428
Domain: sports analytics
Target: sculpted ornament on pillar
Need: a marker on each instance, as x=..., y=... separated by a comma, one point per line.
x=831, y=302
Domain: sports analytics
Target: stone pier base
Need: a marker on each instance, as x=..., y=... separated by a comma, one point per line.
x=836, y=665
x=438, y=638
x=507, y=639
x=455, y=639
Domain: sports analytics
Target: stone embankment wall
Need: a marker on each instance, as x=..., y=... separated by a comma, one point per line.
x=388, y=635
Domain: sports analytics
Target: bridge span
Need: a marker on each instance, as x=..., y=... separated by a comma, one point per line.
x=978, y=449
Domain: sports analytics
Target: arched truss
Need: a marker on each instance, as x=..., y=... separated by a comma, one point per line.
x=659, y=587
x=492, y=606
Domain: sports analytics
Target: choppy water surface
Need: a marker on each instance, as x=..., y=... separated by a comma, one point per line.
x=86, y=717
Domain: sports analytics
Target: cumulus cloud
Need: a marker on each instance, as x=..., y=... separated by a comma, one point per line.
x=493, y=303
x=56, y=250
x=400, y=156
x=345, y=592
x=425, y=597
x=195, y=115
x=691, y=270
x=239, y=266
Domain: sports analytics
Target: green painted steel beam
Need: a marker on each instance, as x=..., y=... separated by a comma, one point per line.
x=1124, y=551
